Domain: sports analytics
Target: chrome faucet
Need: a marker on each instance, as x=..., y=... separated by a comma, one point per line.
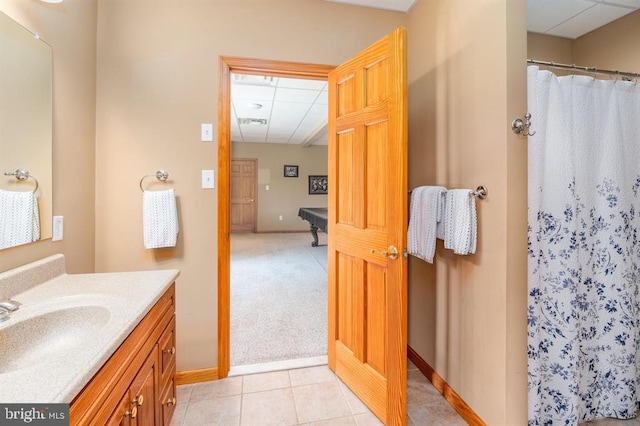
x=9, y=305
x=6, y=307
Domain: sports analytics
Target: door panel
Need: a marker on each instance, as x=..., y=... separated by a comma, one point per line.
x=367, y=216
x=243, y=195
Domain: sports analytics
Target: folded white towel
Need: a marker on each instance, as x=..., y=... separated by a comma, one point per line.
x=426, y=212
x=19, y=218
x=160, y=219
x=461, y=222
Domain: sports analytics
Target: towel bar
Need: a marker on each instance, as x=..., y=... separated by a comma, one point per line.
x=22, y=174
x=161, y=175
x=481, y=192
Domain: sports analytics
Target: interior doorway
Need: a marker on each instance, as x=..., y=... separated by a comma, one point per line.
x=231, y=65
x=243, y=195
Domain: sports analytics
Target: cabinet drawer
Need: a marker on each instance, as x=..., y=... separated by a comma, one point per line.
x=167, y=344
x=168, y=401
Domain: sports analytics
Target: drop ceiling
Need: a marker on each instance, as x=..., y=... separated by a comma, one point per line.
x=278, y=110
x=575, y=18
x=294, y=111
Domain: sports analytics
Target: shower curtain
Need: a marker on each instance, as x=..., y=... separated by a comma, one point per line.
x=584, y=254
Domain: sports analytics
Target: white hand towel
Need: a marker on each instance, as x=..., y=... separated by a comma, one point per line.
x=160, y=219
x=19, y=218
x=461, y=222
x=426, y=212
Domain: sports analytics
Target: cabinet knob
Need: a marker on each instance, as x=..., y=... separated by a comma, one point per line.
x=133, y=413
x=171, y=401
x=171, y=351
x=138, y=400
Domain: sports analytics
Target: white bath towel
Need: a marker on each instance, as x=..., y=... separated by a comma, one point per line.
x=19, y=218
x=160, y=219
x=426, y=211
x=461, y=230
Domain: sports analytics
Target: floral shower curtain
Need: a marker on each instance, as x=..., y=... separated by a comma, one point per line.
x=584, y=253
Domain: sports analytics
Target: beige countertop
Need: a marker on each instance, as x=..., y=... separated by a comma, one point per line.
x=68, y=325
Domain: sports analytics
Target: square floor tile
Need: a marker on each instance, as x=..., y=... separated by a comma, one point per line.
x=437, y=413
x=321, y=401
x=265, y=381
x=217, y=411
x=420, y=389
x=208, y=390
x=274, y=407
x=368, y=419
x=311, y=375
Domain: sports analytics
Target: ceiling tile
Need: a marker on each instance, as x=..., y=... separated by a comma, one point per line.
x=542, y=15
x=297, y=83
x=631, y=3
x=252, y=93
x=589, y=20
x=395, y=5
x=296, y=95
x=287, y=112
x=247, y=112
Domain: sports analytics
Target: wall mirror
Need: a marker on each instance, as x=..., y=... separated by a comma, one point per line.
x=25, y=130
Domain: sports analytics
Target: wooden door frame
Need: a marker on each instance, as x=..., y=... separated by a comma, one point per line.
x=254, y=226
x=229, y=64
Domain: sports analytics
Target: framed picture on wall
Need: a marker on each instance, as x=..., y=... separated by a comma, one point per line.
x=290, y=171
x=318, y=184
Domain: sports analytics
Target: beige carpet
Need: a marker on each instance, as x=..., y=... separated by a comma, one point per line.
x=278, y=297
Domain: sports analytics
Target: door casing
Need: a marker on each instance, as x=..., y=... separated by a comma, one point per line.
x=228, y=65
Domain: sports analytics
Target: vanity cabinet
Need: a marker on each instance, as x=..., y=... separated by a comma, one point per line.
x=136, y=386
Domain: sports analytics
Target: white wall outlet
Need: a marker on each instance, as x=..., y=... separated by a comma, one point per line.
x=206, y=130
x=207, y=179
x=266, y=187
x=58, y=228
x=280, y=217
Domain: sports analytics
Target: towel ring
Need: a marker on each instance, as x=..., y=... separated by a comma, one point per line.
x=161, y=175
x=22, y=174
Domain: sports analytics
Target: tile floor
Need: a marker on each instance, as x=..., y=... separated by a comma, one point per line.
x=304, y=396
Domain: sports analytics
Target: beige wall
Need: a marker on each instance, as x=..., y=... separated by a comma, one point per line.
x=286, y=194
x=70, y=28
x=544, y=47
x=467, y=314
x=157, y=81
x=614, y=46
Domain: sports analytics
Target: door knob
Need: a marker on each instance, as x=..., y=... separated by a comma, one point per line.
x=391, y=252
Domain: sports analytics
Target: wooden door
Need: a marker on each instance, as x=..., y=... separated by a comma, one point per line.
x=367, y=224
x=243, y=195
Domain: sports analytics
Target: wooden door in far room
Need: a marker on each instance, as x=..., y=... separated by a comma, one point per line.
x=368, y=226
x=243, y=195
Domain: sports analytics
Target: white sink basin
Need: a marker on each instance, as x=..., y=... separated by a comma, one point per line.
x=48, y=336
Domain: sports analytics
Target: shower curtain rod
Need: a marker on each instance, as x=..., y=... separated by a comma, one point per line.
x=630, y=75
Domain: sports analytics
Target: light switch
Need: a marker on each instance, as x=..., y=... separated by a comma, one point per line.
x=58, y=228
x=207, y=132
x=207, y=179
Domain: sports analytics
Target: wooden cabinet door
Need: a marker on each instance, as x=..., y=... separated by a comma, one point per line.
x=144, y=392
x=368, y=226
x=123, y=415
